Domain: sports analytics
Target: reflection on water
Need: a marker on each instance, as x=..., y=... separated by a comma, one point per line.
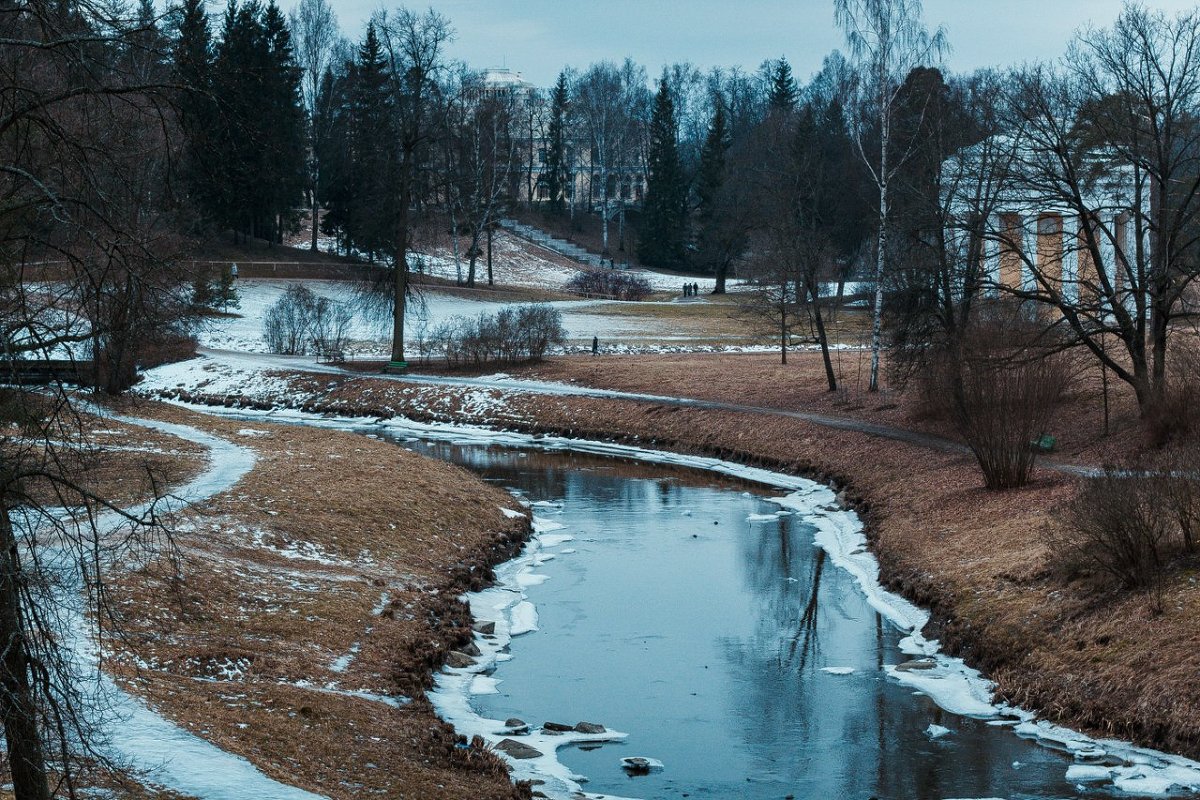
x=705, y=636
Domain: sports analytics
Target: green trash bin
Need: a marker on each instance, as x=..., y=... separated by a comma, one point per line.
x=1044, y=443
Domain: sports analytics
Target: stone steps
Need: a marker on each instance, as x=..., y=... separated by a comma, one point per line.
x=550, y=242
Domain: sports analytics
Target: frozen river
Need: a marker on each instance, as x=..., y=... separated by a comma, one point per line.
x=687, y=611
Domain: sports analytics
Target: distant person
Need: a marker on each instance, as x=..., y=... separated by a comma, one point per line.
x=233, y=271
x=595, y=345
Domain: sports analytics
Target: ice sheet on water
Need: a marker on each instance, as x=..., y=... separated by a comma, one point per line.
x=482, y=684
x=524, y=618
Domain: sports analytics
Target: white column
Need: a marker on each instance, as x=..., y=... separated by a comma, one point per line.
x=1129, y=248
x=1070, y=257
x=1107, y=234
x=1029, y=249
x=991, y=253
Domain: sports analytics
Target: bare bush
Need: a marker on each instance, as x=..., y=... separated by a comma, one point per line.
x=1001, y=396
x=1175, y=414
x=303, y=322
x=1120, y=527
x=610, y=284
x=511, y=335
x=1116, y=527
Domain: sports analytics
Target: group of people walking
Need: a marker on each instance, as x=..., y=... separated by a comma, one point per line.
x=691, y=290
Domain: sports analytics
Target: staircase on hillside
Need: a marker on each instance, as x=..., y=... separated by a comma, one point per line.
x=560, y=246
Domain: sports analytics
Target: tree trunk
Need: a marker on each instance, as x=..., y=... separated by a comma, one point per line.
x=491, y=280
x=822, y=338
x=315, y=213
x=721, y=272
x=877, y=316
x=473, y=254
x=885, y=140
x=17, y=709
x=400, y=268
x=783, y=337
x=604, y=216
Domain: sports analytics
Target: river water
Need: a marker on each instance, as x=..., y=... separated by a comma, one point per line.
x=688, y=613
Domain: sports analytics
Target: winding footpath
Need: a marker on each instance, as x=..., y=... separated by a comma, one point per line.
x=266, y=361
x=135, y=733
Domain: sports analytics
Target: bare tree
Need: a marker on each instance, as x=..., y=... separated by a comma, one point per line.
x=886, y=39
x=413, y=45
x=84, y=158
x=482, y=160
x=1111, y=146
x=608, y=99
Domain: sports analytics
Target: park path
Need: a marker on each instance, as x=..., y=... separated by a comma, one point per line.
x=908, y=436
x=134, y=732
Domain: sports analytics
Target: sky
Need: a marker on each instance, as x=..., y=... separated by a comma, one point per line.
x=539, y=37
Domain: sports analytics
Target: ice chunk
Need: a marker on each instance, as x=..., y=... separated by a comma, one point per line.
x=524, y=618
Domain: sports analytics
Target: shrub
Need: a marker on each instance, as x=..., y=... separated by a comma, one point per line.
x=1176, y=415
x=612, y=284
x=1116, y=526
x=302, y=321
x=511, y=335
x=1128, y=524
x=1000, y=390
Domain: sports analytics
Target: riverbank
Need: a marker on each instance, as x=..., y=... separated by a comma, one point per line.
x=299, y=618
x=1104, y=663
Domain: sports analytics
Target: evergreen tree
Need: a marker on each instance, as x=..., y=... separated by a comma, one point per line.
x=197, y=112
x=709, y=180
x=258, y=137
x=783, y=93
x=369, y=217
x=331, y=123
x=557, y=169
x=661, y=240
x=286, y=139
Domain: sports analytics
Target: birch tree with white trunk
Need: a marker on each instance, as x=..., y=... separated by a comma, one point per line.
x=886, y=39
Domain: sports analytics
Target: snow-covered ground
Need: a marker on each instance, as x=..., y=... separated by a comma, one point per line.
x=134, y=732
x=517, y=262
x=373, y=336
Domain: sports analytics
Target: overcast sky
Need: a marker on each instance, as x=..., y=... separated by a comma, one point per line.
x=539, y=37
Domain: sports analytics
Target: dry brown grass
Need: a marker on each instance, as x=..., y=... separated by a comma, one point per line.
x=240, y=647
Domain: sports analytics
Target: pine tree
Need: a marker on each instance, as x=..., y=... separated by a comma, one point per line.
x=709, y=179
x=286, y=140
x=371, y=143
x=661, y=239
x=331, y=137
x=258, y=141
x=556, y=146
x=783, y=94
x=192, y=57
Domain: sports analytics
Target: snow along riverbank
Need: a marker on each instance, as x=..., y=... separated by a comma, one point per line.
x=133, y=732
x=949, y=682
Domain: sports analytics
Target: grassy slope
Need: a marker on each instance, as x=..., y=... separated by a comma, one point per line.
x=385, y=522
